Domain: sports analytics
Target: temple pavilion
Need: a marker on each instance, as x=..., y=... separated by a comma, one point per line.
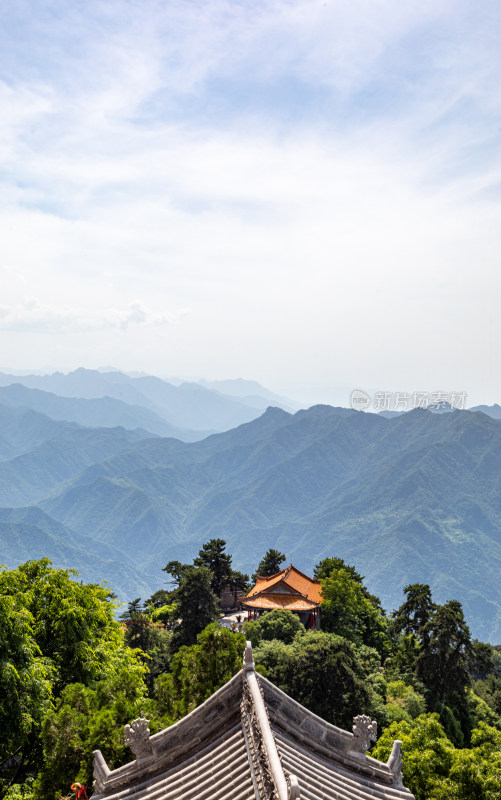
x=250, y=741
x=289, y=589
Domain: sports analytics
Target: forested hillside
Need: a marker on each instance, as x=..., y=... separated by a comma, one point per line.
x=71, y=675
x=414, y=498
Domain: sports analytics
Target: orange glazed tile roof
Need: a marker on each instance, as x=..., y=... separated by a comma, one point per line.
x=289, y=589
x=269, y=602
x=309, y=587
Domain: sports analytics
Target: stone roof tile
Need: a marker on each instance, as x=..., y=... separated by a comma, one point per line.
x=250, y=741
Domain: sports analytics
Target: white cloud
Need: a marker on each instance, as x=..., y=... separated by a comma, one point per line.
x=160, y=151
x=33, y=316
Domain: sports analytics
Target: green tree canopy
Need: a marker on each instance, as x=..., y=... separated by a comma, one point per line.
x=278, y=624
x=200, y=670
x=435, y=770
x=269, y=564
x=55, y=631
x=73, y=623
x=348, y=612
x=416, y=612
x=25, y=691
x=213, y=556
x=86, y=718
x=197, y=605
x=319, y=670
x=324, y=568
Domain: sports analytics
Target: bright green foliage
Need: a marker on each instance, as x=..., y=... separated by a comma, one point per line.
x=73, y=623
x=89, y=718
x=481, y=712
x=198, y=671
x=21, y=791
x=489, y=690
x=197, y=604
x=435, y=770
x=269, y=564
x=403, y=702
x=163, y=613
x=55, y=633
x=25, y=686
x=476, y=773
x=426, y=751
x=278, y=624
x=347, y=611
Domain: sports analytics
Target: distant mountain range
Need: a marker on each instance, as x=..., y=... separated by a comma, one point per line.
x=187, y=411
x=416, y=497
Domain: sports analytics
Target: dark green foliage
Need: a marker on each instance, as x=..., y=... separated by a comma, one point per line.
x=269, y=564
x=197, y=605
x=436, y=648
x=324, y=568
x=481, y=660
x=150, y=636
x=239, y=580
x=213, y=556
x=417, y=610
x=442, y=663
x=319, y=670
x=328, y=679
x=176, y=570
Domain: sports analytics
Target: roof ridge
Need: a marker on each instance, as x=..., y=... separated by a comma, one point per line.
x=264, y=590
x=270, y=577
x=312, y=580
x=256, y=713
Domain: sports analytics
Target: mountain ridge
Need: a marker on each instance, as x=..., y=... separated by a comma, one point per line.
x=407, y=499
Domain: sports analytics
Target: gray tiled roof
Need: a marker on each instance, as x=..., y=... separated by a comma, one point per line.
x=249, y=741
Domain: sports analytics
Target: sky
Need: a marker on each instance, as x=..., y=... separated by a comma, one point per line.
x=303, y=193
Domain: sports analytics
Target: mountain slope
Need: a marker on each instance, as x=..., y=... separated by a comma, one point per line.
x=100, y=412
x=411, y=498
x=29, y=533
x=187, y=406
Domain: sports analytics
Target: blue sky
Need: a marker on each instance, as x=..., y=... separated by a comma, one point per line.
x=304, y=193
